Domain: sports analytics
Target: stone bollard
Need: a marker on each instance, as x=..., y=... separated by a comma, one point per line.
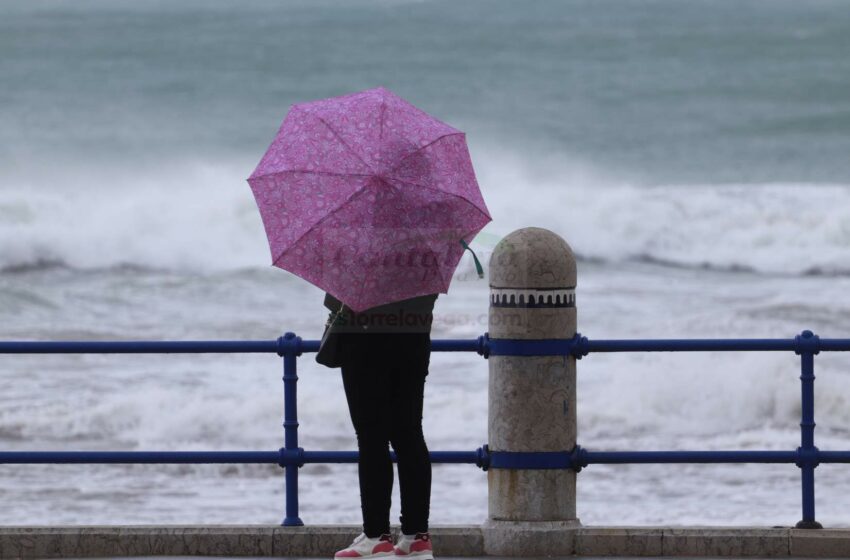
x=532, y=399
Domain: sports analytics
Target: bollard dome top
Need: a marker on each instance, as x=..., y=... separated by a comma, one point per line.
x=532, y=257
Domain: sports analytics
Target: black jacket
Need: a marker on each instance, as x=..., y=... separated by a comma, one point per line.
x=398, y=330
x=413, y=315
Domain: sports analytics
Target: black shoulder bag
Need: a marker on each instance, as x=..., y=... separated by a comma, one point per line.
x=329, y=353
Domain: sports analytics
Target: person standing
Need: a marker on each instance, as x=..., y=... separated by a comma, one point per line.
x=385, y=355
x=363, y=184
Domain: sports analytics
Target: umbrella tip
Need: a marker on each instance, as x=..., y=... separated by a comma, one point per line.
x=383, y=91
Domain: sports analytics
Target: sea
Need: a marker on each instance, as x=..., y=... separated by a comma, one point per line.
x=695, y=156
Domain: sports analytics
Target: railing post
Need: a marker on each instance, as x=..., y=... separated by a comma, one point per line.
x=290, y=349
x=807, y=347
x=532, y=398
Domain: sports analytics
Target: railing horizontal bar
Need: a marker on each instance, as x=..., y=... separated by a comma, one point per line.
x=709, y=345
x=458, y=457
x=834, y=344
x=695, y=345
x=351, y=456
x=142, y=347
x=200, y=457
x=442, y=345
x=190, y=346
x=582, y=346
x=644, y=457
x=310, y=345
x=833, y=456
x=131, y=457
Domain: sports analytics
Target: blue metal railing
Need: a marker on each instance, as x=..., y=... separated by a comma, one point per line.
x=807, y=456
x=290, y=456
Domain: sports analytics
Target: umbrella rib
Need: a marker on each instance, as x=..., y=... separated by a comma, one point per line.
x=460, y=196
x=381, y=119
x=311, y=171
x=362, y=282
x=341, y=141
x=420, y=148
x=322, y=219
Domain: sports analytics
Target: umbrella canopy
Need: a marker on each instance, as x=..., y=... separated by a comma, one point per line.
x=368, y=198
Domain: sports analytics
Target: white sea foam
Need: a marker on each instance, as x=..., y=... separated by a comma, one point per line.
x=771, y=228
x=626, y=402
x=193, y=217
x=203, y=217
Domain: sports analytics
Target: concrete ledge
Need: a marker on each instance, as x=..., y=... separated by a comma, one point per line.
x=618, y=541
x=523, y=538
x=735, y=542
x=821, y=543
x=449, y=540
x=208, y=540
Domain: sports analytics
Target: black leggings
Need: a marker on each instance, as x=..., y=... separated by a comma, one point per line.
x=384, y=386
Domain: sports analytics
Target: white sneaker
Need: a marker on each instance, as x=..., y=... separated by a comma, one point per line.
x=364, y=547
x=415, y=546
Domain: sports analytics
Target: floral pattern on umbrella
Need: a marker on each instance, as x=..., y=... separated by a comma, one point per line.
x=368, y=198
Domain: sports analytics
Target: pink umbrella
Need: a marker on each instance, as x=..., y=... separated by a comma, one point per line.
x=368, y=198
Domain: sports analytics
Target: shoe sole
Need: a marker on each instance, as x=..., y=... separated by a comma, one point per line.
x=424, y=555
x=377, y=555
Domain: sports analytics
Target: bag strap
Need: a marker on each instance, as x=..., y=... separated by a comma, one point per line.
x=478, y=267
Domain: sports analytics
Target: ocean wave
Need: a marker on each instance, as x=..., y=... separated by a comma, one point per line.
x=799, y=229
x=194, y=217
x=776, y=229
x=815, y=271
x=202, y=217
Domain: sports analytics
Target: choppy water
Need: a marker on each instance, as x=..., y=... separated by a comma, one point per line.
x=694, y=156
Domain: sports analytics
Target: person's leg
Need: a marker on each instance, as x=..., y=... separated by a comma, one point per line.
x=367, y=393
x=414, y=463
